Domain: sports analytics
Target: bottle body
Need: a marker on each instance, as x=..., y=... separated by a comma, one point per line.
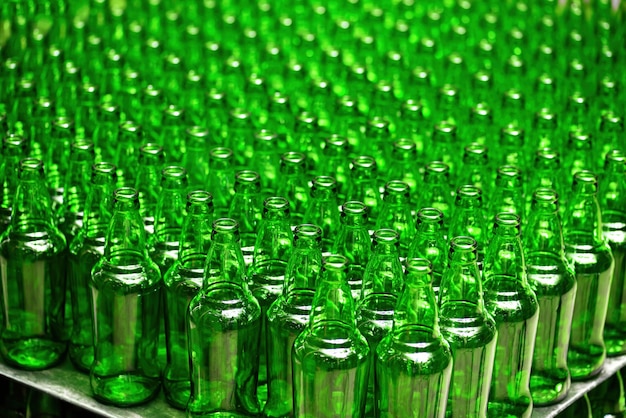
x=614, y=334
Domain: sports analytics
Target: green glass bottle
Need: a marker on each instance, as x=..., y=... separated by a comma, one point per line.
x=513, y=304
x=414, y=361
x=382, y=283
x=353, y=242
x=182, y=282
x=436, y=193
x=85, y=251
x=246, y=207
x=579, y=409
x=430, y=243
x=469, y=218
x=607, y=399
x=334, y=162
x=396, y=213
x=148, y=182
x=363, y=186
x=590, y=254
x=71, y=213
x=293, y=183
x=612, y=198
x=267, y=272
x=126, y=295
x=224, y=328
x=323, y=210
x=221, y=180
x=57, y=158
x=508, y=195
x=469, y=329
x=288, y=316
x=475, y=168
x=264, y=159
x=14, y=148
x=32, y=263
x=553, y=280
x=330, y=357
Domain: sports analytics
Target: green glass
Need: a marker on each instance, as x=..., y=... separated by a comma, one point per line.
x=513, y=304
x=130, y=139
x=14, y=148
x=403, y=165
x=126, y=295
x=71, y=213
x=546, y=172
x=246, y=207
x=222, y=179
x=553, y=280
x=292, y=183
x=267, y=273
x=182, y=282
x=508, y=195
x=579, y=409
x=436, y=193
x=334, y=162
x=323, y=210
x=469, y=329
x=590, y=254
x=382, y=283
x=289, y=315
x=612, y=198
x=363, y=186
x=414, y=361
x=469, y=218
x=330, y=357
x=196, y=156
x=430, y=243
x=224, y=328
x=105, y=127
x=396, y=213
x=32, y=262
x=607, y=399
x=148, y=183
x=85, y=251
x=353, y=242
x=475, y=168
x=58, y=157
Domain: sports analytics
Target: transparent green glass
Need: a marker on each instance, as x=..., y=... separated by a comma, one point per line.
x=289, y=315
x=85, y=250
x=148, y=182
x=330, y=357
x=396, y=213
x=14, y=148
x=292, y=183
x=246, y=207
x=363, y=186
x=224, y=328
x=469, y=329
x=513, y=304
x=221, y=180
x=553, y=280
x=33, y=265
x=182, y=281
x=126, y=292
x=469, y=218
x=323, y=209
x=593, y=262
x=414, y=361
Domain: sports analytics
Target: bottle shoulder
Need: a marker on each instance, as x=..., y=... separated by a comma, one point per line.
x=226, y=305
x=331, y=345
x=35, y=244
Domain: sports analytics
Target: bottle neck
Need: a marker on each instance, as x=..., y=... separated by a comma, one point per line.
x=333, y=301
x=224, y=261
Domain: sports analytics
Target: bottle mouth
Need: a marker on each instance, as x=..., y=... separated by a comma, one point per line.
x=276, y=203
x=247, y=176
x=104, y=167
x=174, y=172
x=126, y=194
x=83, y=145
x=585, y=177
x=197, y=132
x=386, y=235
x=336, y=141
x=545, y=195
x=437, y=167
x=221, y=153
x=404, y=144
x=199, y=196
x=130, y=127
x=469, y=191
x=364, y=161
x=151, y=149
x=225, y=225
x=507, y=219
x=616, y=156
x=293, y=158
x=463, y=243
x=354, y=207
x=324, y=182
x=547, y=154
x=396, y=187
x=265, y=135
x=430, y=215
x=308, y=230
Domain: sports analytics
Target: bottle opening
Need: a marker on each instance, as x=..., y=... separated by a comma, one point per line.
x=293, y=158
x=430, y=215
x=221, y=153
x=335, y=262
x=31, y=165
x=265, y=135
x=63, y=123
x=475, y=149
x=545, y=195
x=126, y=194
x=585, y=177
x=104, y=167
x=174, y=172
x=469, y=191
x=199, y=196
x=197, y=132
x=276, y=203
x=404, y=144
x=83, y=145
x=509, y=171
x=547, y=154
x=13, y=141
x=396, y=187
x=354, y=208
x=324, y=182
x=308, y=230
x=336, y=141
x=130, y=127
x=386, y=235
x=247, y=176
x=437, y=167
x=507, y=219
x=151, y=149
x=364, y=161
x=616, y=156
x=225, y=225
x=463, y=243
x=419, y=265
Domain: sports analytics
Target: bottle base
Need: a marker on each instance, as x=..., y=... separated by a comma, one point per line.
x=124, y=390
x=509, y=410
x=177, y=393
x=585, y=363
x=81, y=357
x=546, y=390
x=615, y=341
x=33, y=353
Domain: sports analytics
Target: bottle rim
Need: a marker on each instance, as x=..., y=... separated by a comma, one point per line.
x=199, y=196
x=82, y=144
x=247, y=176
x=463, y=243
x=386, y=235
x=225, y=225
x=616, y=156
x=265, y=135
x=335, y=262
x=197, y=132
x=418, y=265
x=276, y=203
x=404, y=144
x=221, y=153
x=469, y=191
x=131, y=127
x=509, y=171
x=13, y=140
x=151, y=149
x=293, y=158
x=397, y=187
x=508, y=219
x=31, y=164
x=104, y=167
x=324, y=182
x=126, y=194
x=585, y=177
x=354, y=207
x=437, y=167
x=364, y=161
x=429, y=215
x=174, y=172
x=307, y=230
x=545, y=195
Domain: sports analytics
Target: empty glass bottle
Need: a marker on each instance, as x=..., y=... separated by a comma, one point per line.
x=512, y=303
x=85, y=251
x=126, y=292
x=221, y=180
x=430, y=243
x=396, y=213
x=353, y=242
x=414, y=361
x=469, y=218
x=267, y=272
x=382, y=283
x=224, y=328
x=33, y=268
x=436, y=193
x=292, y=183
x=289, y=315
x=148, y=182
x=323, y=210
x=181, y=283
x=246, y=208
x=363, y=186
x=590, y=254
x=330, y=357
x=14, y=148
x=508, y=195
x=553, y=280
x=612, y=197
x=469, y=329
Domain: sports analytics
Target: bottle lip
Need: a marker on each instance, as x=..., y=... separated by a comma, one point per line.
x=199, y=196
x=335, y=262
x=265, y=135
x=469, y=191
x=63, y=123
x=404, y=144
x=131, y=127
x=336, y=141
x=307, y=118
x=397, y=187
x=437, y=167
x=247, y=176
x=386, y=235
x=13, y=140
x=475, y=148
x=509, y=171
x=225, y=225
x=585, y=177
x=82, y=144
x=508, y=219
x=325, y=182
x=197, y=132
x=354, y=207
x=616, y=156
x=174, y=172
x=308, y=230
x=126, y=194
x=104, y=167
x=547, y=153
x=545, y=195
x=151, y=149
x=364, y=161
x=221, y=153
x=293, y=158
x=419, y=265
x=276, y=203
x=430, y=215
x=463, y=243
x=30, y=164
